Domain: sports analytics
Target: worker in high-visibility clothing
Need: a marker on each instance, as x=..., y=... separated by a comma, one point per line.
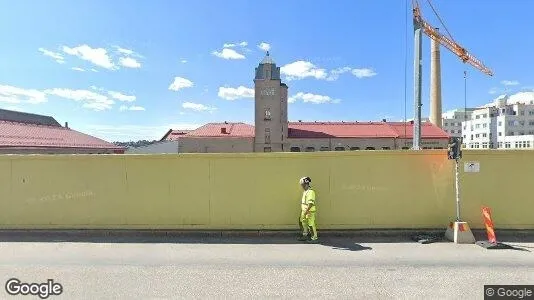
x=308, y=211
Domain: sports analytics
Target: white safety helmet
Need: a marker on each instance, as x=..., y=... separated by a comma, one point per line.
x=305, y=180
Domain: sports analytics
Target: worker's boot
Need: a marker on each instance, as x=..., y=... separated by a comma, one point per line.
x=303, y=238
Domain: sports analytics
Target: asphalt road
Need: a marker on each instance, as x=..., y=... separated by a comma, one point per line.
x=276, y=268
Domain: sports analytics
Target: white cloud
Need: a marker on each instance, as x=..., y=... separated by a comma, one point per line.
x=129, y=62
x=264, y=46
x=78, y=69
x=180, y=83
x=94, y=70
x=121, y=97
x=493, y=91
x=510, y=82
x=13, y=108
x=312, y=98
x=183, y=61
x=130, y=132
x=229, y=93
x=231, y=45
x=227, y=53
x=90, y=100
x=522, y=97
x=197, y=107
x=334, y=74
x=55, y=55
x=15, y=95
x=124, y=51
x=363, y=73
x=302, y=69
x=132, y=108
x=97, y=56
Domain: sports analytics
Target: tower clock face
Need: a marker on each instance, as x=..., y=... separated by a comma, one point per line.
x=268, y=91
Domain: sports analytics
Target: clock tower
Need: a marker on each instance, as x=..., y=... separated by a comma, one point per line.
x=270, y=108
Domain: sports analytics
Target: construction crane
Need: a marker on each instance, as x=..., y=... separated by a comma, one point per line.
x=422, y=26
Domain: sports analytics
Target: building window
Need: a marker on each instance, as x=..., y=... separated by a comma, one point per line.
x=477, y=117
x=522, y=133
x=354, y=148
x=477, y=126
x=531, y=123
x=518, y=144
x=484, y=135
x=484, y=125
x=485, y=116
x=477, y=135
x=266, y=149
x=528, y=144
x=510, y=123
x=531, y=132
x=446, y=124
x=511, y=133
x=524, y=144
x=507, y=145
x=295, y=149
x=310, y=149
x=500, y=144
x=385, y=148
x=531, y=112
x=484, y=145
x=500, y=123
x=267, y=114
x=339, y=148
x=370, y=148
x=521, y=112
x=267, y=135
x=500, y=133
x=522, y=123
x=324, y=148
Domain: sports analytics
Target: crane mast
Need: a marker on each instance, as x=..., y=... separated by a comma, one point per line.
x=422, y=26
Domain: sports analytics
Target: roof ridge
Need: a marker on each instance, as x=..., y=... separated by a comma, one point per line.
x=34, y=124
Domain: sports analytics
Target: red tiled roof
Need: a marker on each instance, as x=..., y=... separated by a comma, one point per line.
x=21, y=135
x=340, y=130
x=223, y=130
x=310, y=130
x=173, y=135
x=428, y=130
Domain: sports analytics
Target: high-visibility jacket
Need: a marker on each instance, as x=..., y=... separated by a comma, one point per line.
x=308, y=196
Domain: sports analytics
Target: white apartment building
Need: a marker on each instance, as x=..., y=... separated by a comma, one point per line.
x=501, y=126
x=452, y=120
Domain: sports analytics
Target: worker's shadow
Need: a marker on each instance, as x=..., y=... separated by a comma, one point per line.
x=343, y=244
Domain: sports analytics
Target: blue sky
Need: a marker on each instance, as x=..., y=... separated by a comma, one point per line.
x=132, y=51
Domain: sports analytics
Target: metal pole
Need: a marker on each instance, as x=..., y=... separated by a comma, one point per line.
x=417, y=87
x=457, y=190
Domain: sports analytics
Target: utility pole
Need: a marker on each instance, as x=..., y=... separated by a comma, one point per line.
x=416, y=145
